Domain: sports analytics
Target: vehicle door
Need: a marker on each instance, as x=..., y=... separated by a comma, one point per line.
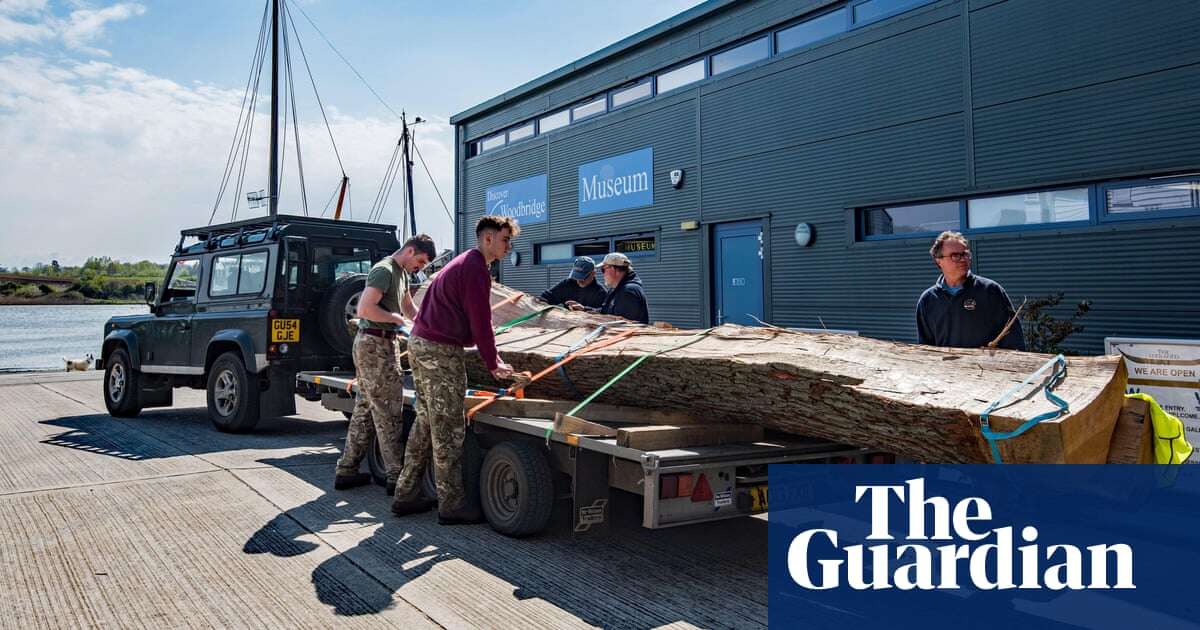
x=237, y=296
x=166, y=347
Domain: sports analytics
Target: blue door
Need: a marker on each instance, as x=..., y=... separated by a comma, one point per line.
x=738, y=273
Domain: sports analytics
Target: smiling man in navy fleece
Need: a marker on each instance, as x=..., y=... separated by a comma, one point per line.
x=961, y=309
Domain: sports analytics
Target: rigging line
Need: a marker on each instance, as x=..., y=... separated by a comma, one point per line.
x=291, y=84
x=382, y=182
x=281, y=171
x=378, y=214
x=435, y=186
x=330, y=202
x=349, y=201
x=229, y=159
x=249, y=134
x=347, y=61
x=387, y=176
x=288, y=12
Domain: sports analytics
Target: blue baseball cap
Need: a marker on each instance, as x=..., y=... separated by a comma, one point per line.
x=582, y=267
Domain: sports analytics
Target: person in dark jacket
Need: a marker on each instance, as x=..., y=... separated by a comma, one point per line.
x=625, y=297
x=961, y=309
x=580, y=286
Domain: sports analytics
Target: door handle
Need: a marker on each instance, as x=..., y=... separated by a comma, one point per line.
x=720, y=317
x=185, y=326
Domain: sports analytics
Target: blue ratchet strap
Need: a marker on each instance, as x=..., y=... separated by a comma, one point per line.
x=1059, y=363
x=562, y=371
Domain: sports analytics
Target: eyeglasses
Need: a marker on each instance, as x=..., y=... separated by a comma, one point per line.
x=957, y=256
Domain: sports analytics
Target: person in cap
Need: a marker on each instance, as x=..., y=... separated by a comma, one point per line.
x=455, y=314
x=625, y=297
x=579, y=287
x=961, y=309
x=385, y=308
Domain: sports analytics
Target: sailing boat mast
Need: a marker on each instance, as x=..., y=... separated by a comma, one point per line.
x=273, y=182
x=406, y=151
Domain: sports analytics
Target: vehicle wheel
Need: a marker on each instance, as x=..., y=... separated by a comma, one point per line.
x=375, y=456
x=516, y=488
x=338, y=308
x=232, y=395
x=121, y=385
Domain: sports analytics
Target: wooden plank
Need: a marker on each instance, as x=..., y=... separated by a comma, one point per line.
x=1131, y=441
x=655, y=438
x=570, y=424
x=541, y=408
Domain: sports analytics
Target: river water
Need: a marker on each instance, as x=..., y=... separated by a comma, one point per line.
x=38, y=337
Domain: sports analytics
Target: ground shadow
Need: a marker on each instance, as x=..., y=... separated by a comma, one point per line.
x=709, y=575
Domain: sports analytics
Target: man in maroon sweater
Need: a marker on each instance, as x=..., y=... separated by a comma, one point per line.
x=456, y=313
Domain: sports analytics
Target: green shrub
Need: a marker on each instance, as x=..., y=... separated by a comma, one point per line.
x=1043, y=331
x=27, y=291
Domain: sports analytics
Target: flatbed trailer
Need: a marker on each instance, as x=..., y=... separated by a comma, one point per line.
x=525, y=467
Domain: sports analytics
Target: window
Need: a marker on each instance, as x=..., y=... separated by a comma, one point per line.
x=1051, y=206
x=811, y=31
x=635, y=246
x=520, y=133
x=331, y=263
x=580, y=112
x=681, y=76
x=596, y=250
x=916, y=219
x=223, y=280
x=554, y=121
x=185, y=277
x=238, y=274
x=554, y=252
x=630, y=94
x=1152, y=198
x=494, y=142
x=747, y=53
x=253, y=276
x=876, y=9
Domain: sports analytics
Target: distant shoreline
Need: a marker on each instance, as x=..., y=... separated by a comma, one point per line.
x=51, y=300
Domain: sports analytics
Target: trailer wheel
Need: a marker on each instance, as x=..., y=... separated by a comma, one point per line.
x=121, y=385
x=232, y=395
x=516, y=488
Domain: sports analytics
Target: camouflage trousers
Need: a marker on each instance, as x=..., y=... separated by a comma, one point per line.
x=440, y=377
x=379, y=408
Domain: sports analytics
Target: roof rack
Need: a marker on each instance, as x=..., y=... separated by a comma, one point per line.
x=246, y=225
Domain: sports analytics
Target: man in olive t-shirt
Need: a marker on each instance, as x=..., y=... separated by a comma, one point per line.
x=384, y=307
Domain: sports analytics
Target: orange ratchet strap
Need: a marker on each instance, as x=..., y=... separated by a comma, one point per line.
x=596, y=345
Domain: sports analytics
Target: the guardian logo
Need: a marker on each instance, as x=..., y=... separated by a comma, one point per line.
x=986, y=558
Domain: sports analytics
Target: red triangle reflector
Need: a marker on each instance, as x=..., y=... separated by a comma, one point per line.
x=702, y=491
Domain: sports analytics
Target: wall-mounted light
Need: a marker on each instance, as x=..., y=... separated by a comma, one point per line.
x=514, y=258
x=804, y=234
x=689, y=225
x=677, y=178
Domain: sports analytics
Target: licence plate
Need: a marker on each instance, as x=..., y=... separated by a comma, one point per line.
x=758, y=499
x=285, y=330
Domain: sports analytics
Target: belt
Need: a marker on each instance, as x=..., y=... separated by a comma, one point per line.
x=378, y=332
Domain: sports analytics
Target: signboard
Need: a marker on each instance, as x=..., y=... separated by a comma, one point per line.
x=617, y=183
x=523, y=200
x=1169, y=371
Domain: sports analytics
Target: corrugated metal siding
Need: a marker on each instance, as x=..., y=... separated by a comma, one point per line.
x=1025, y=48
x=896, y=80
x=878, y=116
x=1141, y=124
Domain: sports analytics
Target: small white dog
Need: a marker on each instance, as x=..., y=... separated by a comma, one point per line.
x=80, y=365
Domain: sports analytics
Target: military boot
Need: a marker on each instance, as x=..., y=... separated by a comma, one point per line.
x=345, y=482
x=403, y=506
x=464, y=515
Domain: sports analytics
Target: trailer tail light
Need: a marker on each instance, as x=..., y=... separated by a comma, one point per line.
x=675, y=486
x=685, y=485
x=702, y=491
x=668, y=486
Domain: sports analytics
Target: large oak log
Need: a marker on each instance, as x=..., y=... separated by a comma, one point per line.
x=916, y=401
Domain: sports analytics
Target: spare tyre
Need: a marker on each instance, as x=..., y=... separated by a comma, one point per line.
x=339, y=306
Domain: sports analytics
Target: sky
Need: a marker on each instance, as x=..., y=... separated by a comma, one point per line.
x=117, y=118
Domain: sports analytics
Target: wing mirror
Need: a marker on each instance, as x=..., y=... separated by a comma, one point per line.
x=151, y=293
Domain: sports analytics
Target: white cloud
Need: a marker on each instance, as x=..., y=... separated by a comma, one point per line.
x=77, y=30
x=102, y=159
